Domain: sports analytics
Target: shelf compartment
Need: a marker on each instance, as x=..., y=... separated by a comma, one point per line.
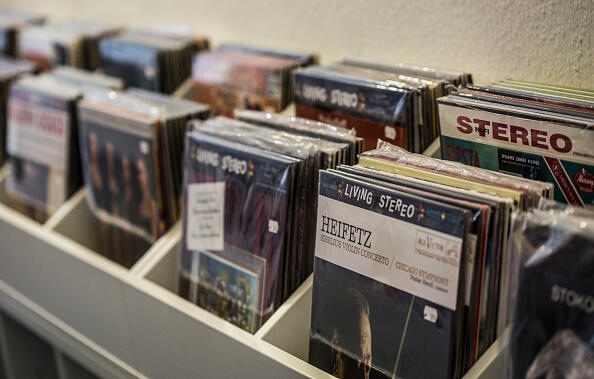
x=130, y=323
x=87, y=299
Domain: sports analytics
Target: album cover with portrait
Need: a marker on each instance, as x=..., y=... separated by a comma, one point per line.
x=131, y=147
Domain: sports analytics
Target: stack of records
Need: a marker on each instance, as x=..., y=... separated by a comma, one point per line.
x=11, y=23
x=89, y=34
x=71, y=43
x=306, y=127
x=86, y=79
x=131, y=147
x=533, y=130
x=552, y=301
x=250, y=193
x=42, y=141
x=302, y=59
x=408, y=259
x=9, y=71
x=155, y=59
x=393, y=102
x=242, y=77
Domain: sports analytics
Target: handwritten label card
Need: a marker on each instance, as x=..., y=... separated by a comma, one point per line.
x=206, y=216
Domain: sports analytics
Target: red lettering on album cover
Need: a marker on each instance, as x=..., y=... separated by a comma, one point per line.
x=459, y=154
x=515, y=134
x=500, y=131
x=19, y=113
x=555, y=138
x=538, y=137
x=37, y=118
x=463, y=125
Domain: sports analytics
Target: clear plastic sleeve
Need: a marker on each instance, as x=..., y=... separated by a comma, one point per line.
x=303, y=124
x=226, y=80
x=131, y=146
x=10, y=70
x=85, y=79
x=42, y=144
x=119, y=162
x=280, y=142
x=303, y=59
x=375, y=311
x=11, y=23
x=534, y=189
x=551, y=304
x=306, y=127
x=155, y=59
x=222, y=147
x=535, y=131
x=237, y=228
x=457, y=78
x=373, y=106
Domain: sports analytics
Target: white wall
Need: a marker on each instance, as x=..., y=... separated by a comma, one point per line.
x=542, y=40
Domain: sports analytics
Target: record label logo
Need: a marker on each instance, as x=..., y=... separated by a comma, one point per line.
x=438, y=248
x=584, y=181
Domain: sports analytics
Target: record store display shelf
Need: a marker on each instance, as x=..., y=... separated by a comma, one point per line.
x=117, y=322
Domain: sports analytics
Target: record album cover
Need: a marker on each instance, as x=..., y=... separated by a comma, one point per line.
x=387, y=293
x=532, y=143
x=553, y=329
x=237, y=198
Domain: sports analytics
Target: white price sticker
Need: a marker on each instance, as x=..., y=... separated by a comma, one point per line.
x=273, y=226
x=430, y=314
x=390, y=132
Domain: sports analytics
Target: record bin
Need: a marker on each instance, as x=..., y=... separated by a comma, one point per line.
x=118, y=322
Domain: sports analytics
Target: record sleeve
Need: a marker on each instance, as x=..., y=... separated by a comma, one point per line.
x=303, y=59
x=155, y=59
x=475, y=254
x=72, y=43
x=237, y=198
x=10, y=70
x=11, y=23
x=388, y=288
x=120, y=164
x=496, y=249
x=372, y=107
x=312, y=154
x=531, y=143
x=520, y=98
x=553, y=325
x=524, y=191
x=41, y=142
x=306, y=127
x=456, y=78
x=229, y=284
x=423, y=128
x=131, y=145
x=230, y=79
